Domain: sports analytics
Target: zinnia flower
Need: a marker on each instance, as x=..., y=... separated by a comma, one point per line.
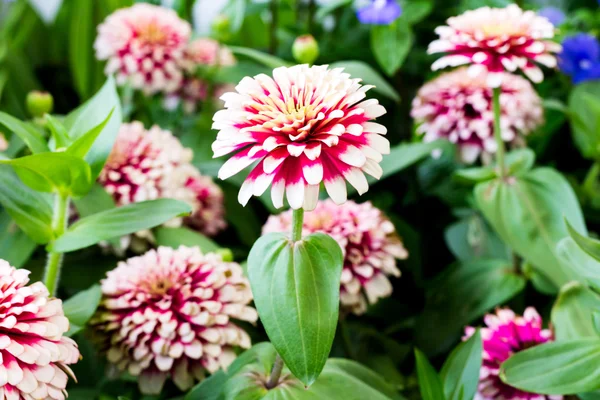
x=168, y=313
x=144, y=45
x=497, y=39
x=580, y=58
x=459, y=108
x=304, y=126
x=505, y=335
x=35, y=356
x=368, y=240
x=379, y=12
x=206, y=51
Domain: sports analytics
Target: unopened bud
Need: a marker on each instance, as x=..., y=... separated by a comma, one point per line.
x=39, y=103
x=221, y=26
x=225, y=254
x=305, y=49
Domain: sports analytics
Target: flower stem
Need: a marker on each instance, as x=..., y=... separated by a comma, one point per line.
x=498, y=133
x=59, y=224
x=275, y=372
x=297, y=222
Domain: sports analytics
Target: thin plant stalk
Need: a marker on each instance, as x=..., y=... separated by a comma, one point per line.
x=498, y=133
x=59, y=224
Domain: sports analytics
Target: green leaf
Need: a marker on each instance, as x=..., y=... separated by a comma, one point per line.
x=474, y=175
x=81, y=307
x=460, y=372
x=584, y=104
x=91, y=114
x=210, y=388
x=573, y=257
x=96, y=200
x=81, y=49
x=429, y=381
x=527, y=213
x=118, y=222
x=260, y=57
x=465, y=292
x=415, y=11
x=175, y=237
x=235, y=11
x=83, y=144
x=53, y=172
x=587, y=244
x=572, y=314
x=519, y=161
x=564, y=367
x=296, y=288
x=15, y=246
x=472, y=238
x=58, y=131
x=391, y=44
x=28, y=134
x=362, y=70
x=31, y=211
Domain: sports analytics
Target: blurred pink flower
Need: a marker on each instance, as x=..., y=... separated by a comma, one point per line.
x=368, y=240
x=144, y=46
x=168, y=313
x=506, y=334
x=458, y=107
x=304, y=126
x=206, y=51
x=497, y=39
x=35, y=356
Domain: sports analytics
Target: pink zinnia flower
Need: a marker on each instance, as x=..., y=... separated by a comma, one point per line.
x=506, y=334
x=303, y=127
x=206, y=51
x=368, y=240
x=459, y=108
x=168, y=313
x=144, y=45
x=497, y=39
x=35, y=356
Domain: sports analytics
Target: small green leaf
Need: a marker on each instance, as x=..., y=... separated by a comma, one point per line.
x=28, y=134
x=391, y=44
x=118, y=222
x=573, y=257
x=84, y=143
x=210, y=388
x=296, y=288
x=474, y=175
x=572, y=314
x=81, y=307
x=96, y=200
x=81, y=49
x=362, y=70
x=175, y=237
x=58, y=131
x=429, y=381
x=415, y=11
x=564, y=367
x=460, y=372
x=587, y=244
x=260, y=57
x=520, y=161
x=15, y=246
x=584, y=103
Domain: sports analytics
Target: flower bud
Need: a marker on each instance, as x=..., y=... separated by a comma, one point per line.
x=221, y=27
x=39, y=103
x=305, y=49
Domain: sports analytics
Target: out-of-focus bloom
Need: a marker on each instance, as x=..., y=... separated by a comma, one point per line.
x=206, y=51
x=144, y=45
x=497, y=39
x=35, y=355
x=379, y=12
x=580, y=57
x=168, y=313
x=368, y=240
x=554, y=14
x=304, y=126
x=505, y=335
x=305, y=49
x=459, y=108
x=3, y=142
x=39, y=103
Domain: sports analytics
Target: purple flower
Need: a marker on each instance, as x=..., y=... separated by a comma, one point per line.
x=379, y=12
x=554, y=15
x=580, y=58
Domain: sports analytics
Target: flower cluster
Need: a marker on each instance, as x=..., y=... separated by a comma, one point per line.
x=580, y=58
x=458, y=107
x=34, y=355
x=369, y=243
x=379, y=12
x=151, y=164
x=304, y=126
x=497, y=39
x=505, y=335
x=168, y=313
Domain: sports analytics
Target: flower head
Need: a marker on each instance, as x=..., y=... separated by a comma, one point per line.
x=505, y=335
x=368, y=240
x=580, y=57
x=206, y=51
x=497, y=39
x=168, y=313
x=304, y=126
x=379, y=12
x=144, y=45
x=458, y=107
x=35, y=356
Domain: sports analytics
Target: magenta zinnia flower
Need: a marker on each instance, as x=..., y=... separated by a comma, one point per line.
x=168, y=313
x=368, y=240
x=457, y=107
x=506, y=334
x=207, y=201
x=35, y=356
x=497, y=39
x=303, y=127
x=144, y=45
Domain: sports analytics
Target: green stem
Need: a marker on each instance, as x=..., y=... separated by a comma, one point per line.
x=498, y=133
x=297, y=222
x=59, y=224
x=275, y=372
x=589, y=183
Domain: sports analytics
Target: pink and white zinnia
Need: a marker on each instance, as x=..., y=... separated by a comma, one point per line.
x=34, y=354
x=507, y=333
x=303, y=126
x=497, y=39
